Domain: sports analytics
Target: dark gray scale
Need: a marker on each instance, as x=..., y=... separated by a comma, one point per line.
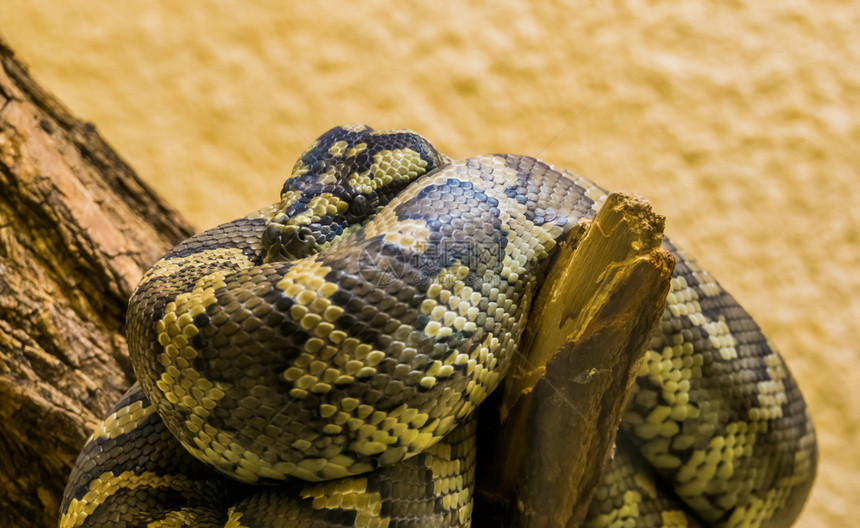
x=448, y=209
x=549, y=195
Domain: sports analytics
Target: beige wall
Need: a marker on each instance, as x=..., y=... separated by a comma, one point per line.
x=739, y=120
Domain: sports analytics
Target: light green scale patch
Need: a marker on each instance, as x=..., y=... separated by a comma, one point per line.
x=771, y=392
x=348, y=494
x=761, y=509
x=674, y=519
x=393, y=435
x=625, y=516
x=355, y=127
x=410, y=234
x=338, y=148
x=234, y=519
x=707, y=284
x=684, y=301
x=300, y=168
x=721, y=338
x=389, y=166
x=391, y=131
x=356, y=149
x=711, y=470
x=123, y=421
x=672, y=370
x=180, y=518
x=108, y=484
x=448, y=479
x=329, y=177
x=287, y=199
x=451, y=305
x=322, y=205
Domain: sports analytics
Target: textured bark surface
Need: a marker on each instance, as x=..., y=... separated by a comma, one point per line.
x=77, y=230
x=567, y=389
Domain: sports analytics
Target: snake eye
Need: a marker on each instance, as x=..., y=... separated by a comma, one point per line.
x=358, y=207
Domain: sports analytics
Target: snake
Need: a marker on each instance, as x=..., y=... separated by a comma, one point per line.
x=321, y=361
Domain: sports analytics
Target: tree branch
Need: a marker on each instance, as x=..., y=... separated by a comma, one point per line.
x=77, y=230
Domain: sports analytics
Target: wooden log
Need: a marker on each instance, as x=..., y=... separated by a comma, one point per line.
x=567, y=389
x=77, y=230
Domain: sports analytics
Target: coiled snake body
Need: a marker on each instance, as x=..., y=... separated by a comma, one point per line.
x=338, y=343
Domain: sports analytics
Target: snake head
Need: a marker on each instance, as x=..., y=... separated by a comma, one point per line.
x=339, y=183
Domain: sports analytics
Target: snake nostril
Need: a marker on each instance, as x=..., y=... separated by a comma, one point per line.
x=287, y=242
x=305, y=236
x=295, y=242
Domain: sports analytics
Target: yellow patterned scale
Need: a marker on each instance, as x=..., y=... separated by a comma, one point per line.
x=335, y=346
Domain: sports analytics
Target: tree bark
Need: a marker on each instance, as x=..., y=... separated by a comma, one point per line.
x=564, y=397
x=77, y=230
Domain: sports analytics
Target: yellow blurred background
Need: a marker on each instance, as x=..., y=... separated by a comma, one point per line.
x=739, y=120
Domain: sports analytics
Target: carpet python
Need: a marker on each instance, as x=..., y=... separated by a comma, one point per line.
x=318, y=362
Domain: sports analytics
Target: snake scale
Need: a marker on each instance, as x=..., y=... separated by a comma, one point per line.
x=336, y=344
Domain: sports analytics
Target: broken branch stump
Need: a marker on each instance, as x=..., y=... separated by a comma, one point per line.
x=565, y=394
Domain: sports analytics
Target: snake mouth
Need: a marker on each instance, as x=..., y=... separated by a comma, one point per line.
x=287, y=242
